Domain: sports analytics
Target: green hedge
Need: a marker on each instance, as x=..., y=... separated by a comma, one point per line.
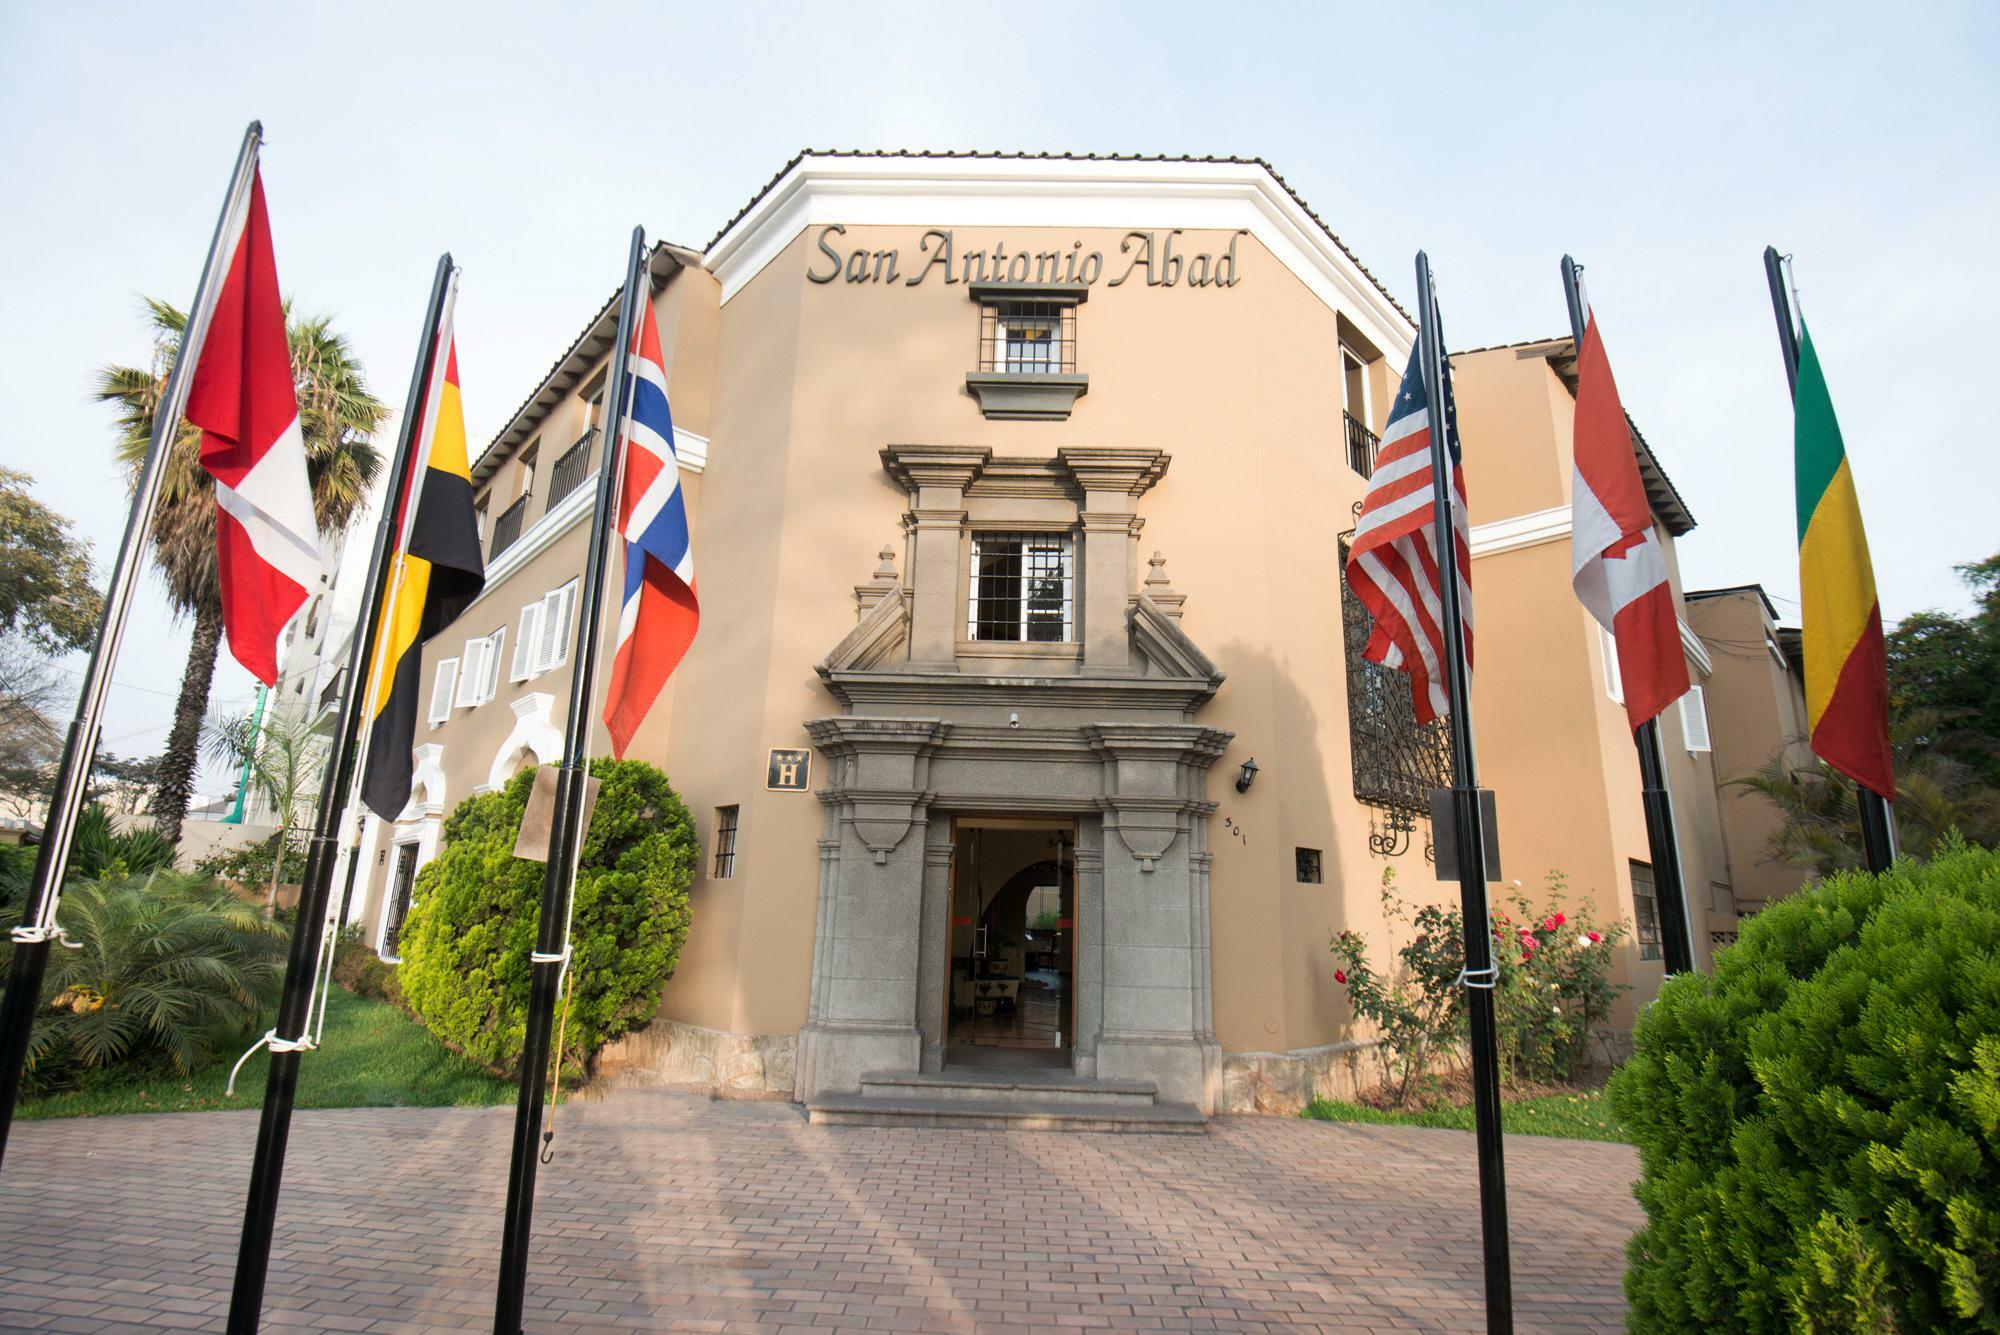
x=472, y=921
x=1818, y=1122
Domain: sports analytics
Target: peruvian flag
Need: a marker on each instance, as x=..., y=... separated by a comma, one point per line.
x=242, y=399
x=1616, y=565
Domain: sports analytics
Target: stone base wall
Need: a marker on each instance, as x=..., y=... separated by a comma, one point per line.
x=1283, y=1083
x=729, y=1065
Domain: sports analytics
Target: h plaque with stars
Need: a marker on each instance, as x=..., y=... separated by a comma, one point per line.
x=788, y=771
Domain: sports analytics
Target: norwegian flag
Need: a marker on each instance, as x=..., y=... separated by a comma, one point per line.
x=1616, y=565
x=242, y=397
x=659, y=613
x=1392, y=563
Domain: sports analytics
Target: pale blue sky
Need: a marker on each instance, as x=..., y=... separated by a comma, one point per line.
x=1664, y=147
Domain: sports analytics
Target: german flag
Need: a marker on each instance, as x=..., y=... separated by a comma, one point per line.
x=1847, y=675
x=439, y=573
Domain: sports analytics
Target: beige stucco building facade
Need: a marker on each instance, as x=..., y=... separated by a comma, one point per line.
x=1016, y=488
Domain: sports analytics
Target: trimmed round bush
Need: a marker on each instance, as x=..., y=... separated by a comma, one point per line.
x=1818, y=1121
x=472, y=921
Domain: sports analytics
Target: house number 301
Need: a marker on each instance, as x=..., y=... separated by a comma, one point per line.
x=1229, y=824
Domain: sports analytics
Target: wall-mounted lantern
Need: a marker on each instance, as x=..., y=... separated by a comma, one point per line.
x=1248, y=776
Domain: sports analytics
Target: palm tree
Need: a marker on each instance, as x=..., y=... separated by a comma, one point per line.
x=1935, y=795
x=284, y=754
x=337, y=417
x=165, y=966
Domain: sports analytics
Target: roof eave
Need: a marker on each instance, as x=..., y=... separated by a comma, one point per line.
x=589, y=346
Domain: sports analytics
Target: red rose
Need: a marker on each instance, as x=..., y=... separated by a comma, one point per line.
x=1340, y=975
x=1594, y=937
x=1559, y=920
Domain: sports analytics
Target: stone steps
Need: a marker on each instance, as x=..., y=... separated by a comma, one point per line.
x=1007, y=1115
x=1000, y=1085
x=1005, y=1098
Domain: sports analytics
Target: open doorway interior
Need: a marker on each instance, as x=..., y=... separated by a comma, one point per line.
x=1013, y=942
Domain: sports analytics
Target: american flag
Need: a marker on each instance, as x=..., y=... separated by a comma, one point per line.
x=1392, y=562
x=659, y=613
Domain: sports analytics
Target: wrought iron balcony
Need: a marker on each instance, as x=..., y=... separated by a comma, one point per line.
x=1362, y=445
x=572, y=468
x=507, y=528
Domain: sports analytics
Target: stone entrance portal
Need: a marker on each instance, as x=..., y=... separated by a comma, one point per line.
x=1097, y=731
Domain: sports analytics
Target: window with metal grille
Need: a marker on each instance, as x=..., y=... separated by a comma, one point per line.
x=725, y=842
x=1397, y=760
x=1023, y=588
x=1645, y=912
x=1028, y=337
x=1309, y=870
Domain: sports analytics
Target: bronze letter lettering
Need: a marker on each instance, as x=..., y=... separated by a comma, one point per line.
x=1228, y=260
x=1048, y=266
x=831, y=229
x=941, y=256
x=1170, y=263
x=857, y=267
x=965, y=269
x=1198, y=270
x=885, y=266
x=1145, y=254
x=1091, y=269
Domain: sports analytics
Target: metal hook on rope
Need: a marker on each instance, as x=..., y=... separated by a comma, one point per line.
x=1486, y=979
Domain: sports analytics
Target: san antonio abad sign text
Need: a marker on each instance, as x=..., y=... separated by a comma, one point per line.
x=1150, y=255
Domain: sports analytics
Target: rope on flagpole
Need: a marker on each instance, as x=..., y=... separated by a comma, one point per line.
x=566, y=957
x=348, y=838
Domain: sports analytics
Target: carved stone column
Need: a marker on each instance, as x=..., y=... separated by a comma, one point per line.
x=932, y=952
x=1112, y=481
x=936, y=477
x=1157, y=1018
x=1088, y=1011
x=868, y=943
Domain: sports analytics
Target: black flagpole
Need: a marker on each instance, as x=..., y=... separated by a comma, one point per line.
x=37, y=926
x=1468, y=818
x=1662, y=839
x=545, y=964
x=1878, y=820
x=260, y=1209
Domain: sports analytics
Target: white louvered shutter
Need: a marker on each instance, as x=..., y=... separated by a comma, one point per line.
x=1614, y=680
x=441, y=690
x=472, y=672
x=1694, y=719
x=526, y=641
x=558, y=611
x=496, y=645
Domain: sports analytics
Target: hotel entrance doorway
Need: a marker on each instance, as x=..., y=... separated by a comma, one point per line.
x=1013, y=942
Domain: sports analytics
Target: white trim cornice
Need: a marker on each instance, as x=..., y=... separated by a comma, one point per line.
x=1518, y=531
x=1056, y=192
x=690, y=448
x=1696, y=650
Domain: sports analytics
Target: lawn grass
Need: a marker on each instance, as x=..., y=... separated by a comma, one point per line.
x=372, y=1056
x=1579, y=1116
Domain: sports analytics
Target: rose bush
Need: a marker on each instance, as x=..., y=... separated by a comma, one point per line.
x=1554, y=987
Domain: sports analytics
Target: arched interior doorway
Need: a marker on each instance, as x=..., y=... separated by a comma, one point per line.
x=1013, y=938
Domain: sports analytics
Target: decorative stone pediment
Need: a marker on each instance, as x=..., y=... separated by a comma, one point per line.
x=883, y=633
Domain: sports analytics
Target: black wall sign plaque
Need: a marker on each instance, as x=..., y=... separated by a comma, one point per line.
x=788, y=771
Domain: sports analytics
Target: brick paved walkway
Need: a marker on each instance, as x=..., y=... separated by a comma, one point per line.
x=667, y=1211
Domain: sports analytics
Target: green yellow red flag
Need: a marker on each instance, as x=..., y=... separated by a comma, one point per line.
x=1847, y=683
x=439, y=573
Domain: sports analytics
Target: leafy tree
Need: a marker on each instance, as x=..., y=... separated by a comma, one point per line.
x=472, y=922
x=167, y=966
x=124, y=782
x=1818, y=1120
x=1936, y=793
x=337, y=417
x=46, y=595
x=1949, y=667
x=285, y=754
x=30, y=743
